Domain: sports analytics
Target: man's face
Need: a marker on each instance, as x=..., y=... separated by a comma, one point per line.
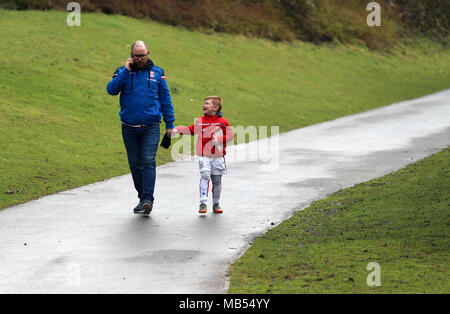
x=140, y=57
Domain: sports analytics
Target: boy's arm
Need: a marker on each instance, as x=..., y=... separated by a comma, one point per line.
x=228, y=134
x=184, y=130
x=118, y=81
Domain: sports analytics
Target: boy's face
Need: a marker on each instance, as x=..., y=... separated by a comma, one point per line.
x=209, y=109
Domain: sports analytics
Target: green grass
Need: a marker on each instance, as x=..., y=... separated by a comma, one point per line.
x=401, y=221
x=59, y=129
x=280, y=20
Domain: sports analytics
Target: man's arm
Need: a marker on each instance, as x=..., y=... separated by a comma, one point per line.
x=118, y=81
x=166, y=102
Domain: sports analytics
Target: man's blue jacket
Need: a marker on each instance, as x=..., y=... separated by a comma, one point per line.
x=144, y=95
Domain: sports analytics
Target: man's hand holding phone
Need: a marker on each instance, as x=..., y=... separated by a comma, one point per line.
x=128, y=63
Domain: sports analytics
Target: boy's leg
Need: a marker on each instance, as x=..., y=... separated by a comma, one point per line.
x=216, y=188
x=204, y=185
x=218, y=169
x=205, y=174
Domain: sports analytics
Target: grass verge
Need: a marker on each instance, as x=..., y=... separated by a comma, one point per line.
x=59, y=129
x=400, y=221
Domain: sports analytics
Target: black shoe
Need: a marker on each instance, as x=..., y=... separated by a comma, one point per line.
x=138, y=209
x=147, y=208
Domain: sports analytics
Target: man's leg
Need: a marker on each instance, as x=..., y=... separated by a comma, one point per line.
x=132, y=144
x=149, y=147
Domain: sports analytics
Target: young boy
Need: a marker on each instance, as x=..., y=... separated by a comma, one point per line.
x=213, y=132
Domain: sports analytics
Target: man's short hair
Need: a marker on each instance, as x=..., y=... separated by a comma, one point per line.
x=138, y=42
x=216, y=100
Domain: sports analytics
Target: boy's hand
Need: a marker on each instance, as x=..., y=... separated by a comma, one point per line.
x=172, y=132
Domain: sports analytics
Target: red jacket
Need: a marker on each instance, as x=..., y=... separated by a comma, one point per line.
x=208, y=127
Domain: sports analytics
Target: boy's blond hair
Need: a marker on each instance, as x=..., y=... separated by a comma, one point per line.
x=216, y=100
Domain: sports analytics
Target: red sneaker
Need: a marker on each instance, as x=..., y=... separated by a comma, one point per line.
x=217, y=209
x=202, y=208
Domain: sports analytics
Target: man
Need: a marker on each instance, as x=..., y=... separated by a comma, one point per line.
x=144, y=99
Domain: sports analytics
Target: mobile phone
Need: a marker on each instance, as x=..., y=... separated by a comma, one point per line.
x=132, y=64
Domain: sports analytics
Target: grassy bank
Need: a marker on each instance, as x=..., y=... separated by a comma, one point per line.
x=280, y=20
x=400, y=221
x=59, y=129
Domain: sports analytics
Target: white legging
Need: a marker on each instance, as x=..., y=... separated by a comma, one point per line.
x=204, y=186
